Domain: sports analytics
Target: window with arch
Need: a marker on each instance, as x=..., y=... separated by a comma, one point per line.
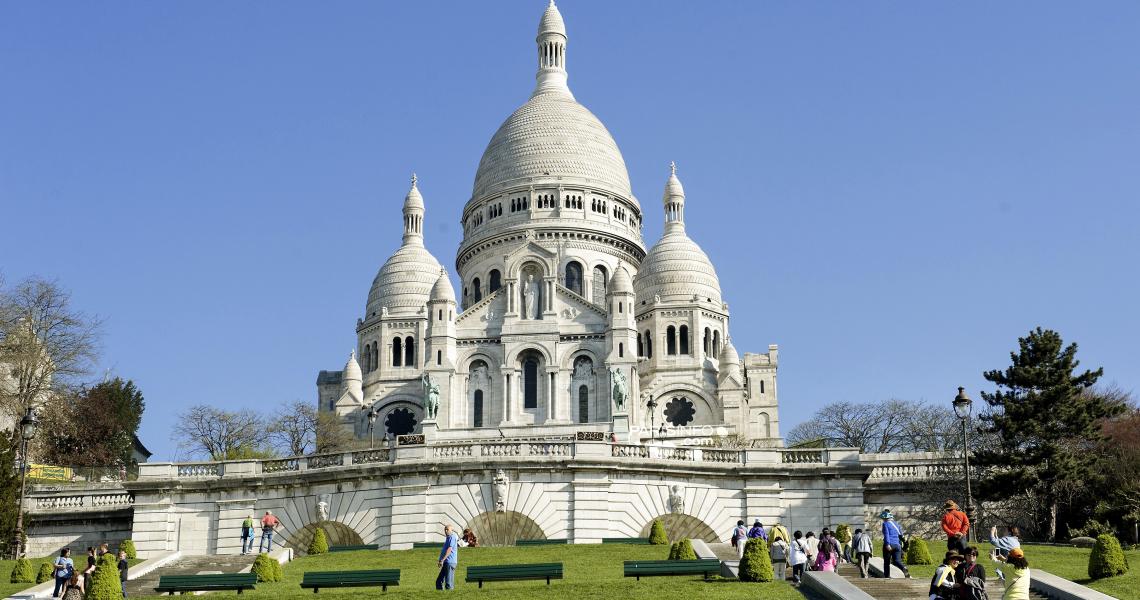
x=400, y=421
x=583, y=404
x=648, y=344
x=761, y=386
x=409, y=351
x=621, y=350
x=574, y=277
x=716, y=344
x=708, y=340
x=671, y=340
x=367, y=357
x=397, y=351
x=478, y=288
x=375, y=355
x=439, y=357
x=640, y=347
x=477, y=407
x=530, y=383
x=683, y=341
x=601, y=277
x=496, y=280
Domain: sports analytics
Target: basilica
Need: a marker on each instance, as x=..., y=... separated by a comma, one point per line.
x=562, y=321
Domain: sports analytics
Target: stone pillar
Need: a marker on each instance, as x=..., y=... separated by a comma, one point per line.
x=154, y=528
x=762, y=501
x=409, y=507
x=590, y=517
x=508, y=411
x=551, y=403
x=231, y=513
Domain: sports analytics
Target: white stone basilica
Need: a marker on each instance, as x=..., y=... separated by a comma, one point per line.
x=564, y=322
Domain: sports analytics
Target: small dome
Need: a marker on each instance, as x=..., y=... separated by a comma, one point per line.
x=674, y=191
x=551, y=21
x=728, y=355
x=442, y=289
x=414, y=199
x=351, y=369
x=620, y=282
x=676, y=269
x=404, y=283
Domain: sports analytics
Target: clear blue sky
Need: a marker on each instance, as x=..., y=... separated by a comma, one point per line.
x=891, y=191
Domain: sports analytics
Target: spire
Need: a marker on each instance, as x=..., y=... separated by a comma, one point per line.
x=414, y=215
x=551, y=76
x=674, y=200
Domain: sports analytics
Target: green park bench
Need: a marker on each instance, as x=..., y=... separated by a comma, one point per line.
x=427, y=544
x=329, y=579
x=169, y=584
x=639, y=541
x=657, y=568
x=545, y=571
x=540, y=542
x=352, y=548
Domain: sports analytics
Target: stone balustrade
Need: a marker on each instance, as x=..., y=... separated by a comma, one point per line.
x=49, y=500
x=912, y=466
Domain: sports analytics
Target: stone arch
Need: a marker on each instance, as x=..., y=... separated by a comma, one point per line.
x=513, y=355
x=504, y=528
x=338, y=534
x=679, y=525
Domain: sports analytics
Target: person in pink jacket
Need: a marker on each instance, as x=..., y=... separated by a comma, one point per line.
x=827, y=557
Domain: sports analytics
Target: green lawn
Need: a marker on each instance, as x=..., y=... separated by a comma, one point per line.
x=590, y=571
x=1067, y=562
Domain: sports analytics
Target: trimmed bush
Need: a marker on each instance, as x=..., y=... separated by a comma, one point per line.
x=756, y=565
x=1083, y=542
x=673, y=548
x=46, y=573
x=657, y=535
x=1107, y=558
x=320, y=543
x=263, y=568
x=918, y=553
x=685, y=550
x=128, y=546
x=22, y=571
x=105, y=584
x=843, y=533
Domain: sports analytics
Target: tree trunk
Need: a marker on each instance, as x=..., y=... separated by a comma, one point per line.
x=1052, y=520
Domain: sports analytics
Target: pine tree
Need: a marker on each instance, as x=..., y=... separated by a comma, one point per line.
x=756, y=565
x=22, y=571
x=9, y=484
x=128, y=546
x=45, y=573
x=320, y=543
x=685, y=550
x=657, y=535
x=1044, y=422
x=263, y=568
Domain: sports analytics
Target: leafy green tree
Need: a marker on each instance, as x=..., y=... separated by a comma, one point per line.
x=756, y=565
x=320, y=543
x=22, y=571
x=95, y=426
x=918, y=553
x=1107, y=558
x=9, y=485
x=105, y=584
x=1044, y=421
x=657, y=535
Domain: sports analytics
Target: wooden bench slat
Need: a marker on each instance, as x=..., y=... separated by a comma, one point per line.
x=545, y=571
x=639, y=541
x=650, y=568
x=354, y=548
x=375, y=577
x=540, y=542
x=195, y=583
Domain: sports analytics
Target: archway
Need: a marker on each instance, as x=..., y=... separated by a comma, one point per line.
x=504, y=528
x=337, y=533
x=679, y=526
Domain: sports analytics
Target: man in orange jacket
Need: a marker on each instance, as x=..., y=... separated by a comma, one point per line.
x=956, y=525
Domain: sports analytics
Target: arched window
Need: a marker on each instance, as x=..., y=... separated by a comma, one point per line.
x=375, y=355
x=684, y=339
x=477, y=417
x=583, y=404
x=397, y=351
x=671, y=340
x=600, y=280
x=574, y=277
x=761, y=386
x=478, y=289
x=640, y=347
x=716, y=344
x=530, y=383
x=409, y=352
x=439, y=357
x=367, y=357
x=708, y=340
x=496, y=281
x=648, y=345
x=621, y=350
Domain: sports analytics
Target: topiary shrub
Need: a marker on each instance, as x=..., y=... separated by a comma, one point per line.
x=128, y=546
x=46, y=573
x=105, y=584
x=657, y=535
x=918, y=553
x=673, y=548
x=1083, y=542
x=843, y=533
x=22, y=571
x=685, y=550
x=263, y=568
x=756, y=565
x=278, y=572
x=320, y=543
x=1107, y=558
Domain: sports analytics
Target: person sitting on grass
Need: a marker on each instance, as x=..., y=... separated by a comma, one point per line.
x=942, y=584
x=469, y=540
x=1016, y=583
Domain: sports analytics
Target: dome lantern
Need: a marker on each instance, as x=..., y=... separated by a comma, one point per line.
x=414, y=215
x=674, y=200
x=551, y=76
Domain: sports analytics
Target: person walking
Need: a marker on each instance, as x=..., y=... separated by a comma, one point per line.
x=757, y=531
x=892, y=544
x=247, y=534
x=91, y=560
x=797, y=556
x=942, y=584
x=739, y=538
x=269, y=524
x=970, y=577
x=827, y=554
x=812, y=544
x=1016, y=583
x=1003, y=545
x=448, y=559
x=779, y=556
x=64, y=569
x=956, y=525
x=123, y=567
x=863, y=548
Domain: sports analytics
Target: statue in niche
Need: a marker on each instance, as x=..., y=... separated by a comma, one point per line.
x=676, y=499
x=530, y=298
x=479, y=376
x=431, y=395
x=500, y=487
x=583, y=368
x=619, y=390
x=323, y=508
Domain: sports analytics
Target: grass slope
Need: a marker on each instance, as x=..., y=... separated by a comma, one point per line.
x=1070, y=563
x=590, y=571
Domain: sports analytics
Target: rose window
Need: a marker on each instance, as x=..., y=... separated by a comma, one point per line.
x=679, y=411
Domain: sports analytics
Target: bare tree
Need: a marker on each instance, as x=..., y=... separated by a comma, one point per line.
x=887, y=426
x=217, y=434
x=294, y=433
x=332, y=436
x=45, y=345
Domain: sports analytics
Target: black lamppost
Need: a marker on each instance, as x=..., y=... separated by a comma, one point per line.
x=372, y=414
x=652, y=406
x=27, y=432
x=962, y=408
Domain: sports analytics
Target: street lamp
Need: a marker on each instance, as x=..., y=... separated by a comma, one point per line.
x=962, y=408
x=27, y=432
x=652, y=405
x=372, y=414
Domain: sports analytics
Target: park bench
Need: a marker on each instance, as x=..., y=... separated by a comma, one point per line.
x=545, y=571
x=427, y=544
x=170, y=584
x=540, y=542
x=656, y=568
x=639, y=541
x=356, y=547
x=328, y=579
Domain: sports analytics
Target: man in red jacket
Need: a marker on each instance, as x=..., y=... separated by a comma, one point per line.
x=956, y=525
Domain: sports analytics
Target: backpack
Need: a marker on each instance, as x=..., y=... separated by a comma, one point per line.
x=972, y=588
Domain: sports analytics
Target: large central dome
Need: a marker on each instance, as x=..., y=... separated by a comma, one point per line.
x=551, y=138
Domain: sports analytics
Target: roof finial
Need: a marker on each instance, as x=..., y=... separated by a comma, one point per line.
x=414, y=179
x=672, y=165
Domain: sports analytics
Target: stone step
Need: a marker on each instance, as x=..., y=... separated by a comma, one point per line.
x=189, y=565
x=907, y=589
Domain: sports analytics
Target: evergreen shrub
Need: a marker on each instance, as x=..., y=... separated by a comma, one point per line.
x=22, y=571
x=843, y=533
x=685, y=550
x=263, y=568
x=918, y=553
x=46, y=572
x=756, y=565
x=673, y=548
x=1107, y=558
x=657, y=535
x=105, y=584
x=320, y=543
x=128, y=546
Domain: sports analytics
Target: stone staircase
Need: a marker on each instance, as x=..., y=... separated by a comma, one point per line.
x=909, y=589
x=188, y=565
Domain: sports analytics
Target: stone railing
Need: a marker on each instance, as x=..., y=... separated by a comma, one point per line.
x=51, y=500
x=912, y=466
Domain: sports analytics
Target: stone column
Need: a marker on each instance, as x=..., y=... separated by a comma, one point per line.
x=590, y=518
x=508, y=412
x=409, y=510
x=551, y=403
x=231, y=513
x=154, y=527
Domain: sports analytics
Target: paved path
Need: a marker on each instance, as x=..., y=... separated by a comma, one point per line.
x=188, y=565
x=910, y=589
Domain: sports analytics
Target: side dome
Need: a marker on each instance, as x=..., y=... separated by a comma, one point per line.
x=552, y=139
x=404, y=283
x=676, y=269
x=442, y=289
x=620, y=282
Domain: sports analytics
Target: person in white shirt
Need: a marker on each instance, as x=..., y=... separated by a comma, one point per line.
x=812, y=544
x=797, y=556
